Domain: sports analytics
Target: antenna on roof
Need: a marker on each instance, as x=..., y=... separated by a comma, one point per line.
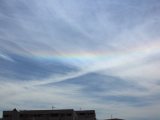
x=111, y=116
x=53, y=107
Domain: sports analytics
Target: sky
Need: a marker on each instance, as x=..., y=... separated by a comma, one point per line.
x=81, y=54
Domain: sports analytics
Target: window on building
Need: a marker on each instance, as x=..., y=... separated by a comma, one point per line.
x=82, y=114
x=6, y=116
x=62, y=114
x=54, y=115
x=69, y=114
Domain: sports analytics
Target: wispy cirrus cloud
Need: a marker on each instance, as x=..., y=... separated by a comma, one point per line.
x=22, y=68
x=101, y=55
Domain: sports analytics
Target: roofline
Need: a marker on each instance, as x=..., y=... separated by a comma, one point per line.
x=83, y=110
x=40, y=110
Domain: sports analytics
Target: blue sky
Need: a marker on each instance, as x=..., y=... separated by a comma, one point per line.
x=88, y=54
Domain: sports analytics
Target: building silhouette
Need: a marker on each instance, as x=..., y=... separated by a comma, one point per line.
x=64, y=114
x=114, y=119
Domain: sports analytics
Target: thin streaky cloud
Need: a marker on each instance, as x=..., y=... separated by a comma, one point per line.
x=104, y=54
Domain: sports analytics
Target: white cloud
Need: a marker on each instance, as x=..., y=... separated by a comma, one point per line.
x=111, y=38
